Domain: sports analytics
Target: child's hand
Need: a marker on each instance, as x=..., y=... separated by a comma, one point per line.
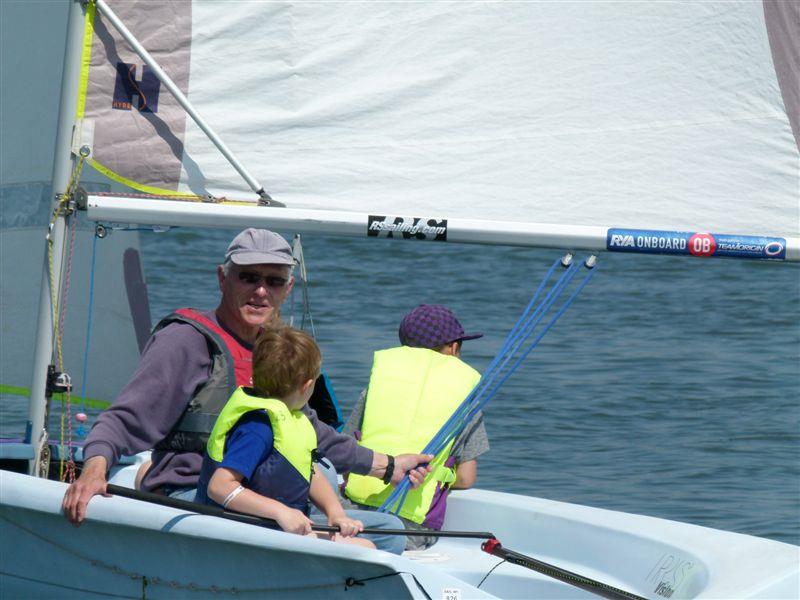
x=347, y=527
x=294, y=521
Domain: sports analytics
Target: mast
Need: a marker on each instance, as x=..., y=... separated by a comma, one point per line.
x=63, y=164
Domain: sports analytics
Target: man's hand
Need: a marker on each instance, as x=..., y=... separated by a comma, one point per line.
x=91, y=482
x=416, y=465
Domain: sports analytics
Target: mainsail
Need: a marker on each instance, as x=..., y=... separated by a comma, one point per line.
x=363, y=112
x=615, y=125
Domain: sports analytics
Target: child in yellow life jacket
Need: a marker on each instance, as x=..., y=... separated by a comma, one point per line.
x=413, y=390
x=259, y=458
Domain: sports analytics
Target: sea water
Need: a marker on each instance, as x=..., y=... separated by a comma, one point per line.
x=670, y=388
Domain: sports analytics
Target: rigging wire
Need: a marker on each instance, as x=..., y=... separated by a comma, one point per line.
x=299, y=256
x=64, y=207
x=84, y=375
x=502, y=562
x=333, y=414
x=499, y=367
x=66, y=470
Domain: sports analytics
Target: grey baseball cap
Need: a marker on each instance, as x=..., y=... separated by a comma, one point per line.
x=259, y=247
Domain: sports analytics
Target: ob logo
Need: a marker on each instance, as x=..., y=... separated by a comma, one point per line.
x=702, y=244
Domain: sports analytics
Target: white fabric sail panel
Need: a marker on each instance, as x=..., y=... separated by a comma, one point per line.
x=113, y=352
x=642, y=115
x=32, y=36
x=133, y=124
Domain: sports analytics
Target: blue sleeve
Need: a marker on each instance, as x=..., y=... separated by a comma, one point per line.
x=249, y=443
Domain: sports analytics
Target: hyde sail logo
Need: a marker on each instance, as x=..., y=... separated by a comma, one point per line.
x=127, y=87
x=407, y=228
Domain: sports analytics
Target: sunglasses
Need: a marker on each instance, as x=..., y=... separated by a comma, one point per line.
x=271, y=281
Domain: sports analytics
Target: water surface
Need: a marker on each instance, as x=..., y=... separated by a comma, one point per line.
x=670, y=388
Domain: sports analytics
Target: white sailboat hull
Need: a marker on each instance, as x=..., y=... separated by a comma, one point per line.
x=132, y=549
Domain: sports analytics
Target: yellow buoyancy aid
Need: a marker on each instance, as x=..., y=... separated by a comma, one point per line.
x=412, y=392
x=294, y=435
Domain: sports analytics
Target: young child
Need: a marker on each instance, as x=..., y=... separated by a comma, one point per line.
x=259, y=458
x=412, y=392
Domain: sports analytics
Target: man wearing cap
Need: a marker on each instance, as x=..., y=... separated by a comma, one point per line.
x=191, y=365
x=413, y=390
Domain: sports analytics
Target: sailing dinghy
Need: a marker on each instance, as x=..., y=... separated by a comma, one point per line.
x=667, y=128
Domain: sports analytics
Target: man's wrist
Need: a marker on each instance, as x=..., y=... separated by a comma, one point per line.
x=379, y=464
x=389, y=471
x=96, y=466
x=99, y=449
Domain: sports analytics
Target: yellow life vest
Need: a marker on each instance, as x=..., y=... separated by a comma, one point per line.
x=294, y=435
x=412, y=392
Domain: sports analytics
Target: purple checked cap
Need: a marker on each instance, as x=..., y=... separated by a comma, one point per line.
x=431, y=326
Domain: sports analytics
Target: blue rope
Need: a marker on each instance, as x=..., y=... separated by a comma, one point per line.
x=546, y=305
x=482, y=394
x=510, y=340
x=84, y=377
x=487, y=388
x=533, y=344
x=516, y=337
x=519, y=337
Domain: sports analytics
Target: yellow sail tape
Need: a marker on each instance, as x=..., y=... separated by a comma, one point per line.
x=12, y=390
x=86, y=59
x=157, y=191
x=135, y=185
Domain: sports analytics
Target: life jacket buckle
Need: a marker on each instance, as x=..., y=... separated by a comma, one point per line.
x=319, y=457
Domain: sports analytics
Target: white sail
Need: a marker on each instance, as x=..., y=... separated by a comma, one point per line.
x=632, y=117
x=36, y=32
x=328, y=90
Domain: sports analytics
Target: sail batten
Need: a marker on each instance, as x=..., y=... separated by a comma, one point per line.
x=630, y=116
